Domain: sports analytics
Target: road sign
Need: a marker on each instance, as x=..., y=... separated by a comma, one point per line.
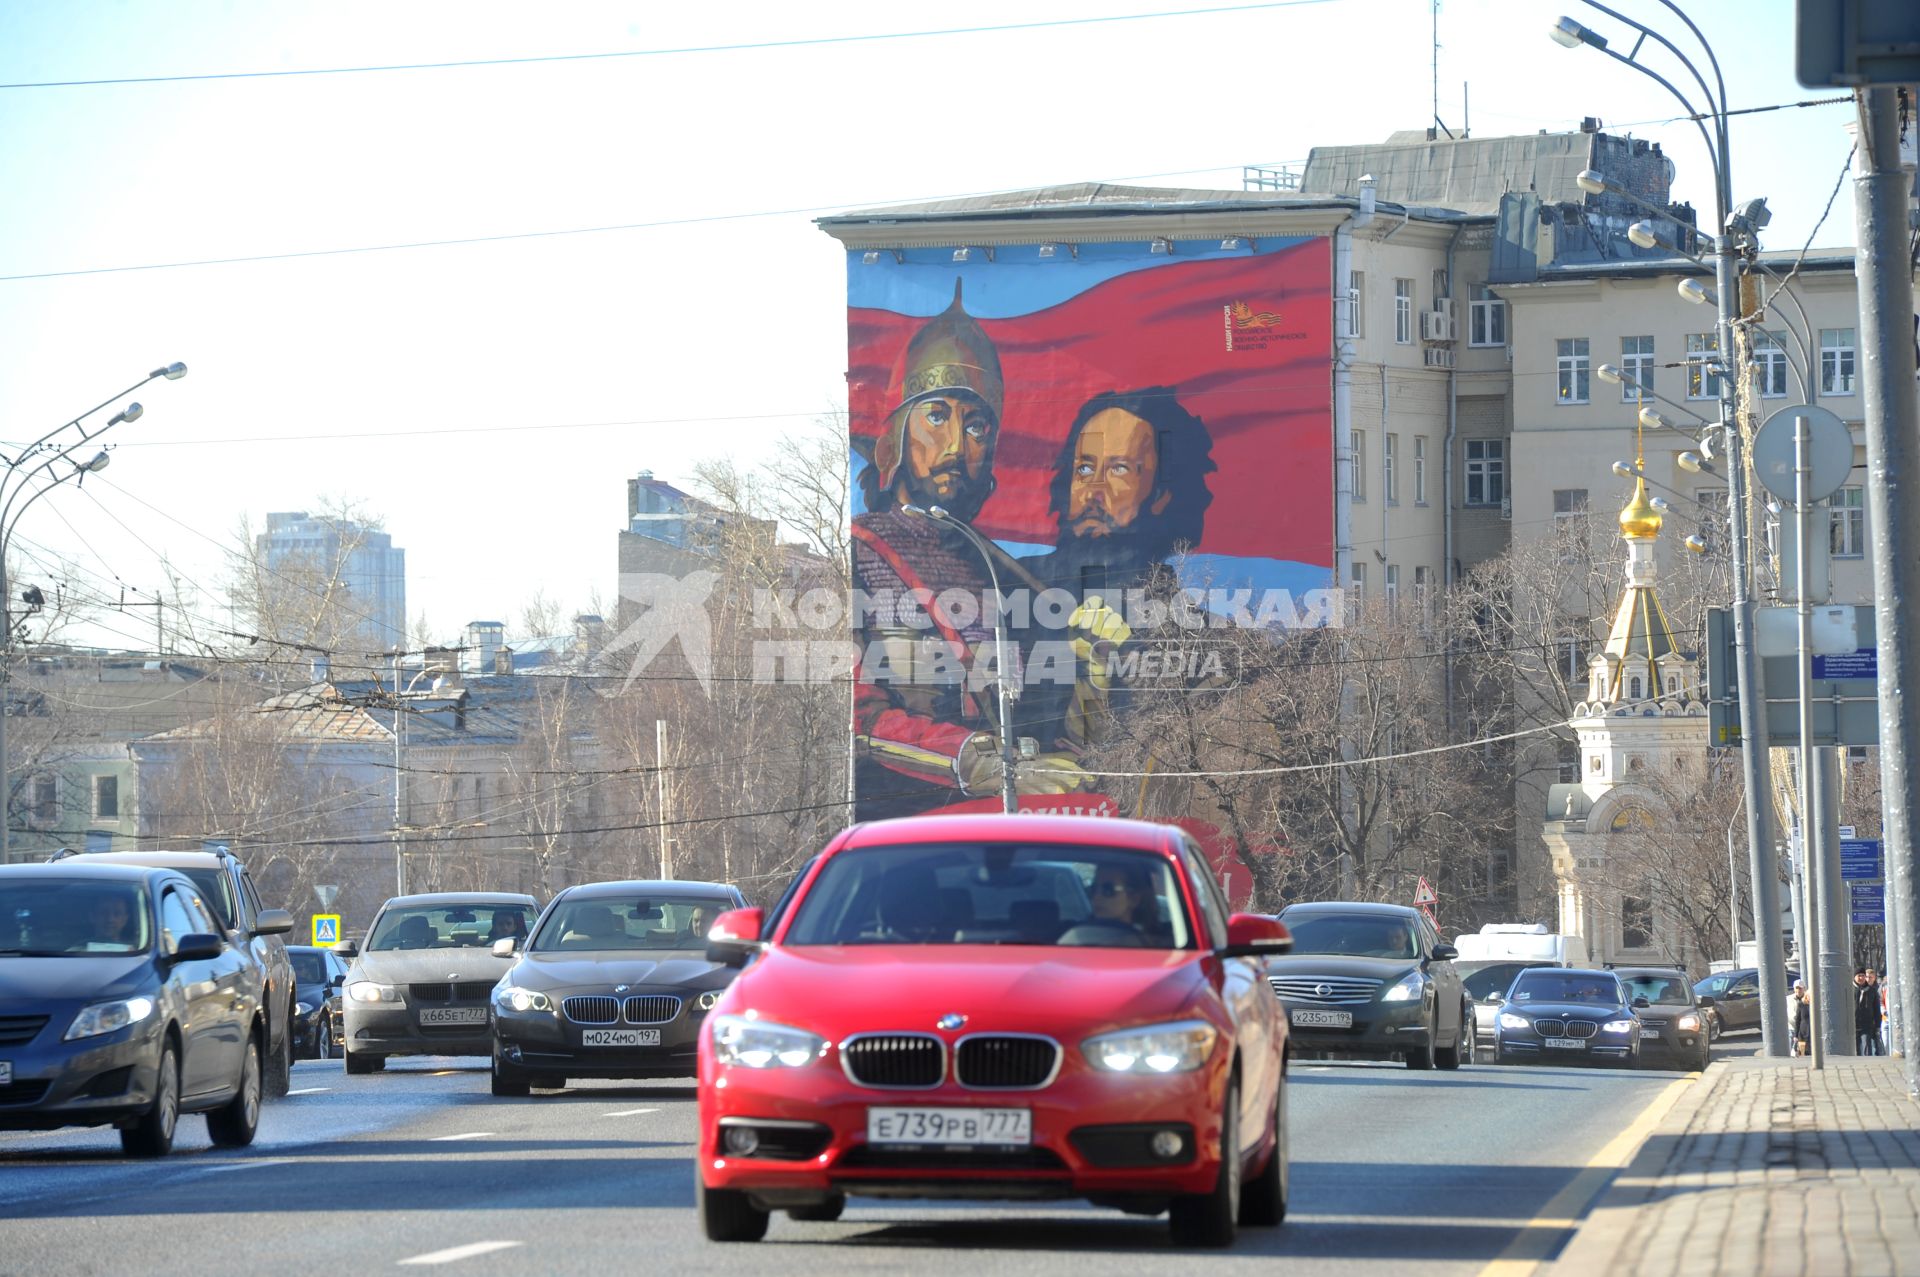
x=326, y=928
x=1423, y=894
x=1774, y=453
x=1868, y=895
x=1864, y=42
x=1860, y=859
x=1862, y=663
x=1868, y=917
x=1846, y=708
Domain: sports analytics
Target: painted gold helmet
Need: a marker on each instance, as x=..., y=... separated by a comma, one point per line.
x=952, y=355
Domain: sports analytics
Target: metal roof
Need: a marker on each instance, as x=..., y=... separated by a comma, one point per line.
x=1468, y=174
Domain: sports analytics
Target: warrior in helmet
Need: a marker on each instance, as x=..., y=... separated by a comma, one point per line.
x=923, y=725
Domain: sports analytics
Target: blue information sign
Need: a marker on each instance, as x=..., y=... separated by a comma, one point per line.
x=1868, y=895
x=1860, y=859
x=1863, y=663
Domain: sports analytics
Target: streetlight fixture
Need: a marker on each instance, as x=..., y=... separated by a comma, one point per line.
x=1692, y=290
x=1002, y=647
x=17, y=479
x=1764, y=873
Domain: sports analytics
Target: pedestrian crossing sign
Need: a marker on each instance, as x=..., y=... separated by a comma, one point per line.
x=326, y=928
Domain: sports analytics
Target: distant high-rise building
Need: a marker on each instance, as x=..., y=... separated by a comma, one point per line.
x=330, y=582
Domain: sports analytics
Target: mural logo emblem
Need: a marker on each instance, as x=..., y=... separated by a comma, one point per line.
x=1250, y=328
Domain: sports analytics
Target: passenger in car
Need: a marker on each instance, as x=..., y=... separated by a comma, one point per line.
x=1121, y=894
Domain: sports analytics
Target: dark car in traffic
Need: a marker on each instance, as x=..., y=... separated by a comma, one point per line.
x=318, y=974
x=1486, y=982
x=1736, y=998
x=614, y=983
x=420, y=983
x=122, y=1003
x=1674, y=1021
x=227, y=889
x=1567, y=1014
x=1372, y=982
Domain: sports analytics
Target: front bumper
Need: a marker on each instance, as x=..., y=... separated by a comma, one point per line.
x=387, y=1028
x=99, y=1081
x=543, y=1042
x=1380, y=1030
x=1511, y=1045
x=1090, y=1138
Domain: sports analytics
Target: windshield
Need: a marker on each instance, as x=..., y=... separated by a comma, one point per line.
x=309, y=969
x=1356, y=935
x=630, y=922
x=1495, y=977
x=1658, y=988
x=1715, y=986
x=72, y=917
x=994, y=893
x=449, y=926
x=1552, y=985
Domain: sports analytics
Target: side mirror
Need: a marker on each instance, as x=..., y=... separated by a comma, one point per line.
x=1496, y=999
x=273, y=922
x=734, y=937
x=336, y=982
x=347, y=949
x=503, y=947
x=1444, y=953
x=1254, y=935
x=1641, y=1002
x=1706, y=1001
x=197, y=947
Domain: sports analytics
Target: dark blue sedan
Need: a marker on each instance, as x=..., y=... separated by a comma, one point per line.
x=1566, y=1014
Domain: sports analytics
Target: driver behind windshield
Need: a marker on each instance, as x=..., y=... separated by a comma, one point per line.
x=1121, y=894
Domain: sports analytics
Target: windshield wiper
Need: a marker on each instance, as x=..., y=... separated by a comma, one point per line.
x=35, y=953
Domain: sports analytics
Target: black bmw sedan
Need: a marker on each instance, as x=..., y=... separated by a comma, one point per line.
x=121, y=1004
x=614, y=982
x=1568, y=1014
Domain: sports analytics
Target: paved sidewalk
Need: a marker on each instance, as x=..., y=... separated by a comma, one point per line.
x=1767, y=1167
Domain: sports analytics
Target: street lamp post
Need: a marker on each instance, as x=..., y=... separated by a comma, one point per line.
x=399, y=766
x=1002, y=648
x=1762, y=858
x=33, y=482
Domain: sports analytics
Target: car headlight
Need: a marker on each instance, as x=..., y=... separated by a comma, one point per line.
x=368, y=991
x=709, y=1000
x=1688, y=1023
x=759, y=1044
x=105, y=1017
x=519, y=999
x=1152, y=1048
x=1412, y=987
x=1508, y=1020
x=1620, y=1026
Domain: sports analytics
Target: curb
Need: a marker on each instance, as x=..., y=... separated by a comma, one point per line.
x=1595, y=1246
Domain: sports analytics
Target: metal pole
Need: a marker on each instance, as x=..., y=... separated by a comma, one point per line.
x=1881, y=199
x=1733, y=888
x=1761, y=857
x=660, y=793
x=1815, y=941
x=399, y=783
x=1836, y=930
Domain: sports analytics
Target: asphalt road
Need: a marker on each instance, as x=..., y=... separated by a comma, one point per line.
x=420, y=1164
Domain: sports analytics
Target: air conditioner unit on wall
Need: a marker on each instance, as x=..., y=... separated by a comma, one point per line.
x=1436, y=325
x=1438, y=357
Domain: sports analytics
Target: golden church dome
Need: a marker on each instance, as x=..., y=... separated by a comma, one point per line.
x=1640, y=521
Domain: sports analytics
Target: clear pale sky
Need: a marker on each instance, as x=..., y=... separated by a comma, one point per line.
x=490, y=400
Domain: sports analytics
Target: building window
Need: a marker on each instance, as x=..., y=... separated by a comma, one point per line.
x=1393, y=586
x=1357, y=302
x=1486, y=471
x=1836, y=361
x=1572, y=656
x=1568, y=503
x=1770, y=365
x=1357, y=596
x=1703, y=380
x=106, y=798
x=1403, y=312
x=1359, y=465
x=1486, y=317
x=1573, y=370
x=1423, y=590
x=1388, y=462
x=1636, y=361
x=44, y=801
x=1848, y=530
x=1569, y=760
x=1419, y=469
x=1636, y=922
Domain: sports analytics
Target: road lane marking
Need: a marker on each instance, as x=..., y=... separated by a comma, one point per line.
x=453, y=1253
x=630, y=1112
x=310, y=1090
x=1564, y=1210
x=466, y=1135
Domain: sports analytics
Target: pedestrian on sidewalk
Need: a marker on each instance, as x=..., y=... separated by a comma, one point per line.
x=1802, y=1019
x=1866, y=1010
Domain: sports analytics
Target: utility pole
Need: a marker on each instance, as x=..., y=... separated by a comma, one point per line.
x=660, y=793
x=1882, y=195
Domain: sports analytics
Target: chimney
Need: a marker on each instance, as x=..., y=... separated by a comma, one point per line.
x=503, y=661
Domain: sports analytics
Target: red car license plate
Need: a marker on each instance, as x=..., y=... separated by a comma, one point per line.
x=949, y=1127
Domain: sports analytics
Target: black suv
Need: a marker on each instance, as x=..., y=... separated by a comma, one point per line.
x=1372, y=981
x=125, y=1006
x=227, y=888
x=1674, y=1023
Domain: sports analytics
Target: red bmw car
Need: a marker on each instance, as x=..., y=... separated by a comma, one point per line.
x=997, y=1007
